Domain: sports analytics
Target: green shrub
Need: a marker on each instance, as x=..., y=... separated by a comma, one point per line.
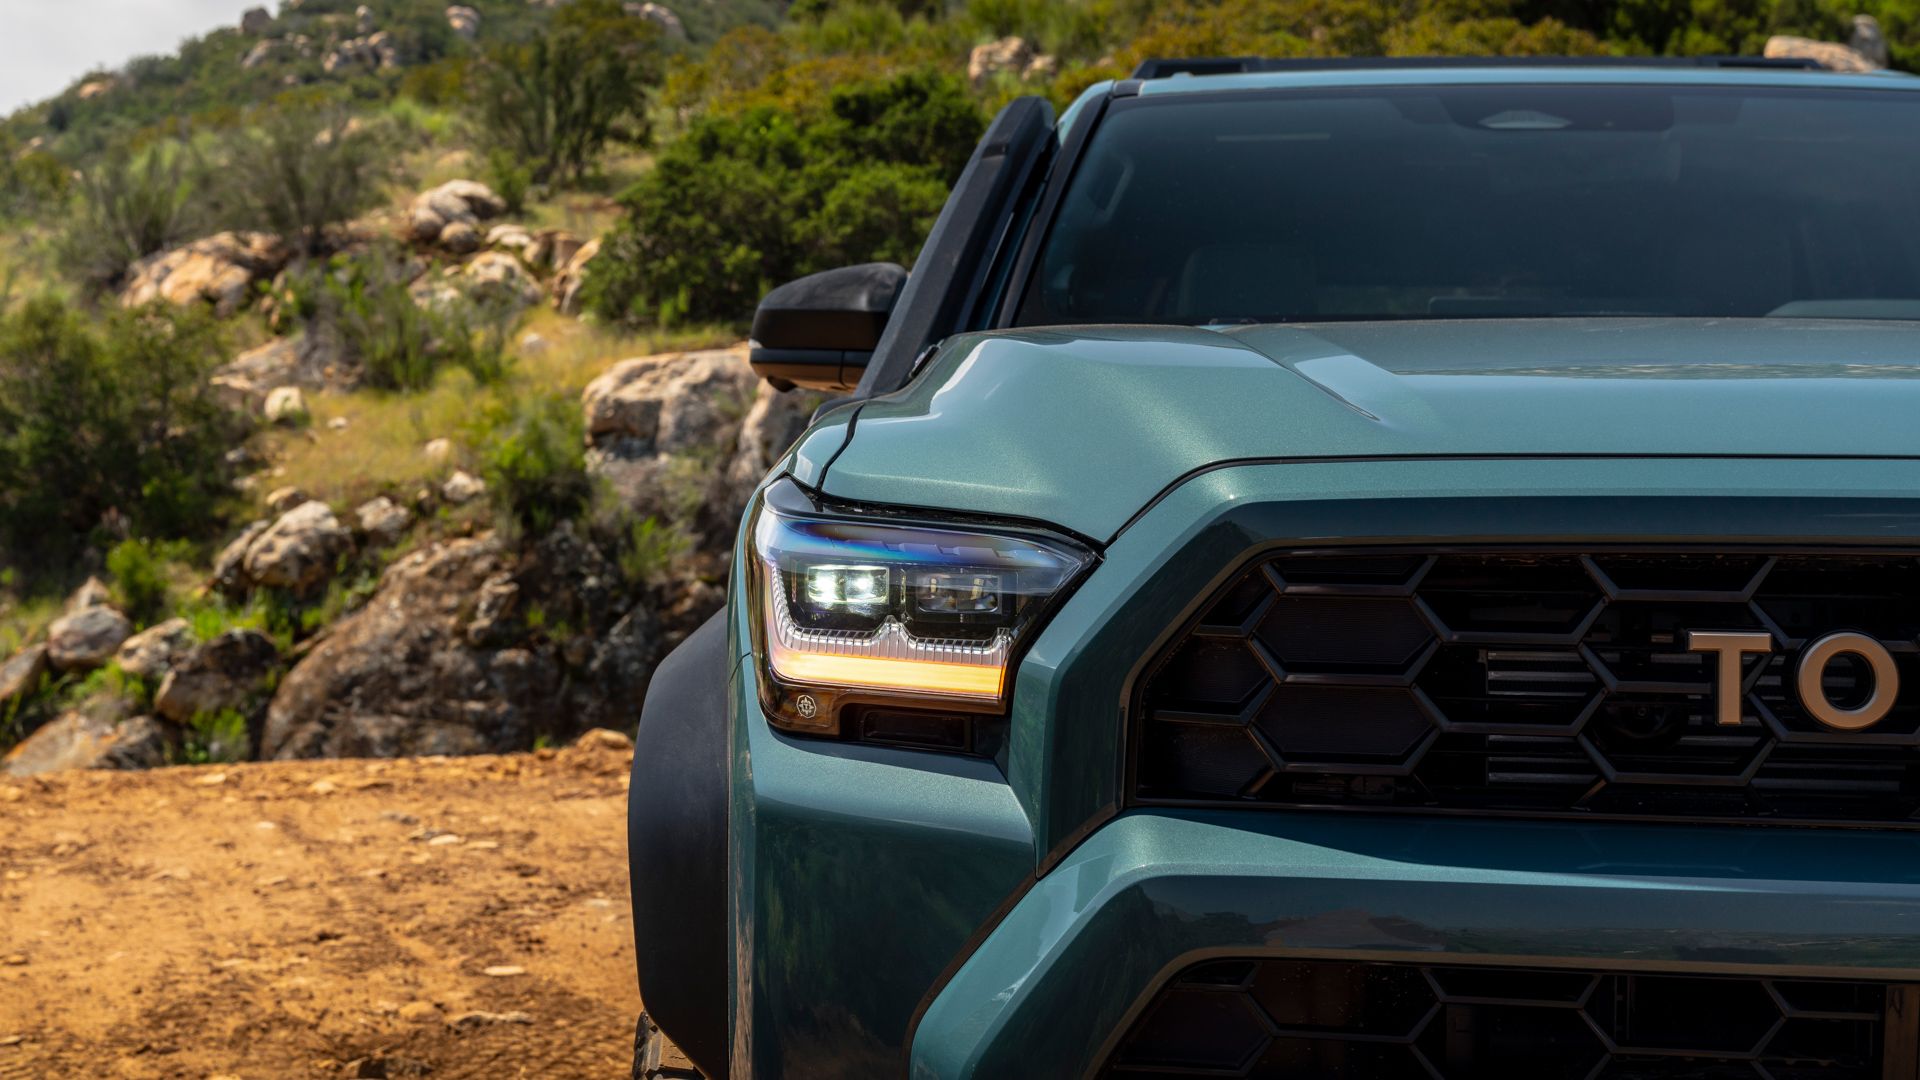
x=651, y=551
x=746, y=200
x=533, y=457
x=139, y=569
x=298, y=170
x=367, y=304
x=216, y=738
x=130, y=205
x=555, y=101
x=107, y=423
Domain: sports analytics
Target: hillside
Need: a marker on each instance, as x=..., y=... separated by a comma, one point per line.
x=369, y=373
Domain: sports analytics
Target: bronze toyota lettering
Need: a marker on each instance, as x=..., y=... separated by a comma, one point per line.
x=1730, y=646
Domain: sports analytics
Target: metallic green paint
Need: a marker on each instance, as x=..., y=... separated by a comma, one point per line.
x=1533, y=76
x=1080, y=427
x=1152, y=892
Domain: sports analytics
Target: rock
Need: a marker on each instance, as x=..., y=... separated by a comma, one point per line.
x=363, y=20
x=256, y=21
x=460, y=238
x=92, y=593
x=646, y=414
x=493, y=610
x=461, y=202
x=496, y=277
x=78, y=741
x=661, y=16
x=464, y=20
x=228, y=672
x=1039, y=69
x=572, y=279
x=532, y=343
x=511, y=238
x=462, y=487
x=438, y=449
x=774, y=423
x=229, y=567
x=151, y=653
x=220, y=270
x=282, y=499
x=606, y=739
x=1829, y=55
x=503, y=971
x=373, y=52
x=553, y=249
x=338, y=423
x=1869, y=40
x=382, y=520
x=87, y=638
x=297, y=551
x=397, y=678
x=1007, y=54
x=479, y=1018
x=286, y=405
x=419, y=1012
x=20, y=675
x=90, y=90
x=261, y=52
x=306, y=361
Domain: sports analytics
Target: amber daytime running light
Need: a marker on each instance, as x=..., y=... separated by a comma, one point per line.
x=854, y=612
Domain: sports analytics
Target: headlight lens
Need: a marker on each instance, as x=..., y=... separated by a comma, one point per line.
x=856, y=611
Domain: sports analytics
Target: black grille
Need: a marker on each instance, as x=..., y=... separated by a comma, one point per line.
x=1547, y=682
x=1325, y=1019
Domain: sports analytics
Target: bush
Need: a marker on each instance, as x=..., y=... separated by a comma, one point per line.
x=556, y=101
x=131, y=205
x=401, y=344
x=107, y=426
x=138, y=568
x=297, y=171
x=746, y=200
x=533, y=457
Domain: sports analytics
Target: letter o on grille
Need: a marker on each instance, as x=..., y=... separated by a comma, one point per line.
x=1812, y=674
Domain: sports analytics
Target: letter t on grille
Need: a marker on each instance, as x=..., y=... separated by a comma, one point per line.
x=1728, y=646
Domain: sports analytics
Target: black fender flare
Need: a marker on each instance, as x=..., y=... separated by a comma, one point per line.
x=677, y=846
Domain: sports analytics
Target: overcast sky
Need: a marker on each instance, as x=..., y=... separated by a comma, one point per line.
x=45, y=44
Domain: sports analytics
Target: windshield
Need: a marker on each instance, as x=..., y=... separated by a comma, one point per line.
x=1489, y=202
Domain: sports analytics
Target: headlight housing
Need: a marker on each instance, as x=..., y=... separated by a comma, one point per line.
x=890, y=630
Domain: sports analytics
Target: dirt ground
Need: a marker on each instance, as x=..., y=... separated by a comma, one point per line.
x=442, y=918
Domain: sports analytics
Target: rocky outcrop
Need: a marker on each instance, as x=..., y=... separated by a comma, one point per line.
x=1828, y=54
x=774, y=423
x=661, y=16
x=228, y=673
x=307, y=361
x=298, y=551
x=1014, y=55
x=570, y=283
x=382, y=521
x=230, y=566
x=464, y=21
x=498, y=278
x=554, y=249
x=220, y=270
x=79, y=740
x=456, y=202
x=152, y=652
x=87, y=638
x=374, y=52
x=20, y=675
x=256, y=21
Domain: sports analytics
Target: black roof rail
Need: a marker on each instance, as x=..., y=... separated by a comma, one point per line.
x=1236, y=65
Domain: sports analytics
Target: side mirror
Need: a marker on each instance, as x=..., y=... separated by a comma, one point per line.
x=820, y=331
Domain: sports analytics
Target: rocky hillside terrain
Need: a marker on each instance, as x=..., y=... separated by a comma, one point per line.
x=445, y=917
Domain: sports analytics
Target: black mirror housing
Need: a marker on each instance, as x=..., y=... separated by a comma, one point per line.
x=819, y=332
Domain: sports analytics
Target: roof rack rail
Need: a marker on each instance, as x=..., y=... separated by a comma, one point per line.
x=1236, y=65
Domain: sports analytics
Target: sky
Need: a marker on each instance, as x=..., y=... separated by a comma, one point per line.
x=46, y=44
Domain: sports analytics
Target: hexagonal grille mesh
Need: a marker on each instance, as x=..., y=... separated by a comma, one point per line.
x=1326, y=1019
x=1509, y=681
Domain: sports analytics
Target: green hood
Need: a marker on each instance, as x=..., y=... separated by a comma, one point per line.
x=1082, y=426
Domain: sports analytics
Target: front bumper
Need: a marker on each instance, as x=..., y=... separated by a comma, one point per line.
x=1063, y=975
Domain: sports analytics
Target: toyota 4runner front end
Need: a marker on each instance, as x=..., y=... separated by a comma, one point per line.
x=1331, y=571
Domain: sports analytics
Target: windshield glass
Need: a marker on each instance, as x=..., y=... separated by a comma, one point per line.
x=1489, y=201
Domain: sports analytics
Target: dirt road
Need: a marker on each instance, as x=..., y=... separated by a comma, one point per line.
x=443, y=918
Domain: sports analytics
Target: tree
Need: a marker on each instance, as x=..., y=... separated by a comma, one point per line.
x=131, y=205
x=554, y=103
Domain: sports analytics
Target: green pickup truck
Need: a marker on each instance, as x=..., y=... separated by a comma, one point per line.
x=1370, y=569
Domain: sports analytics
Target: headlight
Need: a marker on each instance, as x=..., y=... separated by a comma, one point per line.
x=892, y=630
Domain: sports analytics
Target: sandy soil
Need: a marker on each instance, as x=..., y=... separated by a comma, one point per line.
x=443, y=918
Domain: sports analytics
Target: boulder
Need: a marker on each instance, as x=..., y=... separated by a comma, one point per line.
x=464, y=20
x=553, y=249
x=570, y=282
x=396, y=677
x=87, y=638
x=1828, y=54
x=382, y=521
x=661, y=16
x=219, y=270
x=228, y=673
x=497, y=277
x=298, y=551
x=261, y=52
x=20, y=675
x=306, y=361
x=1007, y=54
x=96, y=87
x=282, y=499
x=256, y=21
x=649, y=419
x=511, y=238
x=776, y=420
x=462, y=487
x=363, y=22
x=460, y=238
x=77, y=740
x=92, y=593
x=456, y=202
x=1869, y=40
x=373, y=52
x=286, y=405
x=230, y=566
x=151, y=653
